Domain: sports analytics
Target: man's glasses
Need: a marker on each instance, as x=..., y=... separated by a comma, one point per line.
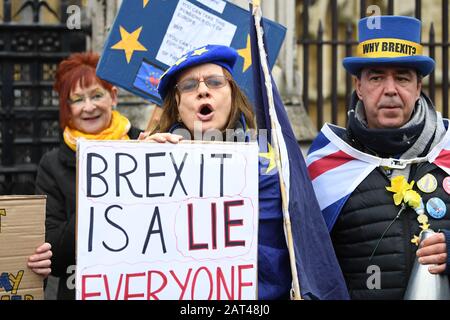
x=212, y=82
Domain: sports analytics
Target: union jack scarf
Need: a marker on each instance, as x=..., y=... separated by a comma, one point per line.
x=336, y=168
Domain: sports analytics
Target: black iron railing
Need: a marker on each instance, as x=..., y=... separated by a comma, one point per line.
x=29, y=112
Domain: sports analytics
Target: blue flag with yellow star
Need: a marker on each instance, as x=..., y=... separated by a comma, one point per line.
x=148, y=36
x=319, y=274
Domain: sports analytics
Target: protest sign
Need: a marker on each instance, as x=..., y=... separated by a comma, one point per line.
x=149, y=36
x=22, y=230
x=164, y=221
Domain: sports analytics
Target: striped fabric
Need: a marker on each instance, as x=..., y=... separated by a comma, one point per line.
x=336, y=168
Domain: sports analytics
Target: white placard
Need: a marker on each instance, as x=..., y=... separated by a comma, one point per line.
x=217, y=5
x=164, y=221
x=192, y=27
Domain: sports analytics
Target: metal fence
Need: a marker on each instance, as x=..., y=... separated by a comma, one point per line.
x=29, y=126
x=348, y=44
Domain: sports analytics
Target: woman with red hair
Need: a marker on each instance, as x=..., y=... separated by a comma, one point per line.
x=86, y=111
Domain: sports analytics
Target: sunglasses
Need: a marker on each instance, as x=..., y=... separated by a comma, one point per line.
x=212, y=82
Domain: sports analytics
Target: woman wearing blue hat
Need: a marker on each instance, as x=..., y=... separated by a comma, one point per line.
x=390, y=172
x=201, y=100
x=199, y=88
x=199, y=97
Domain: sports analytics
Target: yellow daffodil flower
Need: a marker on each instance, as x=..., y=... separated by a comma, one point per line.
x=400, y=186
x=412, y=198
x=403, y=193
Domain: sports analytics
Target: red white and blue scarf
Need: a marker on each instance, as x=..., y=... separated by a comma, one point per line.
x=336, y=168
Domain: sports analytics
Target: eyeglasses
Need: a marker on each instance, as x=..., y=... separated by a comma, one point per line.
x=79, y=101
x=212, y=82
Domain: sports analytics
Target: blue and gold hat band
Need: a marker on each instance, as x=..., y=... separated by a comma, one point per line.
x=388, y=48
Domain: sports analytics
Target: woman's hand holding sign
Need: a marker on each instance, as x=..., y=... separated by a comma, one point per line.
x=160, y=137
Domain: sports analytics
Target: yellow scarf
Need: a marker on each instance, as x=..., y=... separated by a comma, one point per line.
x=117, y=130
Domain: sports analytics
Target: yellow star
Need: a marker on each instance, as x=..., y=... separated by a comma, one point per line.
x=146, y=2
x=199, y=52
x=271, y=157
x=425, y=226
x=415, y=240
x=182, y=59
x=129, y=42
x=246, y=53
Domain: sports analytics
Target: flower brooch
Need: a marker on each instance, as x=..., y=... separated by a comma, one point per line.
x=406, y=196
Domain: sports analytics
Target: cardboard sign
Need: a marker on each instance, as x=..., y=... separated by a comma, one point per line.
x=165, y=221
x=22, y=230
x=149, y=36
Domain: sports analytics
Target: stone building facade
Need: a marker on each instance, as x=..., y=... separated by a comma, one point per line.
x=99, y=15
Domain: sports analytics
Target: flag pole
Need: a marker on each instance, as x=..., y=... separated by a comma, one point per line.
x=268, y=82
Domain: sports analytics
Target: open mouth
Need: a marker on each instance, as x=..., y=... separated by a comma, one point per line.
x=206, y=109
x=91, y=118
x=205, y=113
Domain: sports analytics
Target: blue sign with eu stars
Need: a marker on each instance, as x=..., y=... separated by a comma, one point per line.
x=148, y=36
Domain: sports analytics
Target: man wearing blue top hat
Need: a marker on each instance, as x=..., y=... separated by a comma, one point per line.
x=384, y=179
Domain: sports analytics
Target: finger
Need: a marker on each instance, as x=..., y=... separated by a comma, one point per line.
x=44, y=247
x=432, y=249
x=40, y=256
x=142, y=135
x=169, y=135
x=437, y=269
x=174, y=138
x=436, y=238
x=42, y=272
x=40, y=264
x=434, y=259
x=158, y=138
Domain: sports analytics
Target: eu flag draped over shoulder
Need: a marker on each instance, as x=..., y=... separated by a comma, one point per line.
x=318, y=271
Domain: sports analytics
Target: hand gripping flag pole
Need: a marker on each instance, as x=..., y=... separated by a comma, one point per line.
x=275, y=141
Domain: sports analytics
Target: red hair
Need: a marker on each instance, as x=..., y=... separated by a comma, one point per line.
x=78, y=68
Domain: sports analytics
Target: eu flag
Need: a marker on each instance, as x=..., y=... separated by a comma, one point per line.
x=148, y=36
x=318, y=271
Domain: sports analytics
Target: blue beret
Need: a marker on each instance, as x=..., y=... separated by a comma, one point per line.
x=221, y=55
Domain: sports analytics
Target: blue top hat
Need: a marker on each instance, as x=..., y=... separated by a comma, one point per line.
x=221, y=55
x=394, y=41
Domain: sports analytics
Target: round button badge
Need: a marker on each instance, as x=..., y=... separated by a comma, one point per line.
x=436, y=208
x=446, y=185
x=427, y=183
